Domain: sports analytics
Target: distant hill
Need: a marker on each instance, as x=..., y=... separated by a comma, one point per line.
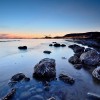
x=93, y=35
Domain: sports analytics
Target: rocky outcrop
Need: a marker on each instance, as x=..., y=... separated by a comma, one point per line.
x=96, y=73
x=90, y=57
x=47, y=52
x=22, y=47
x=66, y=79
x=45, y=69
x=9, y=95
x=77, y=48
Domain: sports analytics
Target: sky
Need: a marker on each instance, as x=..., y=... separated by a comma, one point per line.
x=38, y=18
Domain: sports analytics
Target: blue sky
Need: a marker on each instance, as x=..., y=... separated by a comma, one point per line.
x=49, y=16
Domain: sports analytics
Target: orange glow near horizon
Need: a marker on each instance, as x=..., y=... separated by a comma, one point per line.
x=26, y=35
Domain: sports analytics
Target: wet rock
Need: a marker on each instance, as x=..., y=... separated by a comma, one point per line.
x=18, y=77
x=47, y=52
x=22, y=47
x=54, y=42
x=96, y=73
x=45, y=69
x=36, y=97
x=50, y=45
x=87, y=49
x=90, y=58
x=9, y=95
x=63, y=45
x=77, y=54
x=77, y=48
x=64, y=58
x=78, y=66
x=57, y=45
x=93, y=96
x=52, y=98
x=74, y=60
x=46, y=88
x=66, y=78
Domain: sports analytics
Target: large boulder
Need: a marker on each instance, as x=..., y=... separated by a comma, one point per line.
x=96, y=73
x=90, y=58
x=45, y=69
x=74, y=60
x=77, y=48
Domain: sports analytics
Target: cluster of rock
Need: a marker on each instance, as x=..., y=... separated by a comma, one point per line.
x=55, y=44
x=85, y=57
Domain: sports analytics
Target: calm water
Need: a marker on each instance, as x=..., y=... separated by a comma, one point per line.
x=13, y=60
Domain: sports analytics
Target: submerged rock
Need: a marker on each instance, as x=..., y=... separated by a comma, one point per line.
x=78, y=66
x=90, y=58
x=36, y=97
x=66, y=79
x=9, y=95
x=96, y=73
x=52, y=98
x=47, y=52
x=22, y=47
x=93, y=96
x=76, y=48
x=74, y=60
x=45, y=69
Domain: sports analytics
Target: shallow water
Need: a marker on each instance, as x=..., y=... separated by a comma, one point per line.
x=13, y=61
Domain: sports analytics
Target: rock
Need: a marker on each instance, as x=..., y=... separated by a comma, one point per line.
x=52, y=98
x=90, y=58
x=66, y=79
x=18, y=77
x=39, y=90
x=64, y=58
x=45, y=69
x=63, y=45
x=9, y=95
x=77, y=54
x=78, y=66
x=77, y=48
x=22, y=47
x=57, y=45
x=96, y=73
x=25, y=95
x=54, y=42
x=47, y=88
x=87, y=49
x=74, y=60
x=93, y=96
x=36, y=97
x=47, y=52
x=50, y=45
